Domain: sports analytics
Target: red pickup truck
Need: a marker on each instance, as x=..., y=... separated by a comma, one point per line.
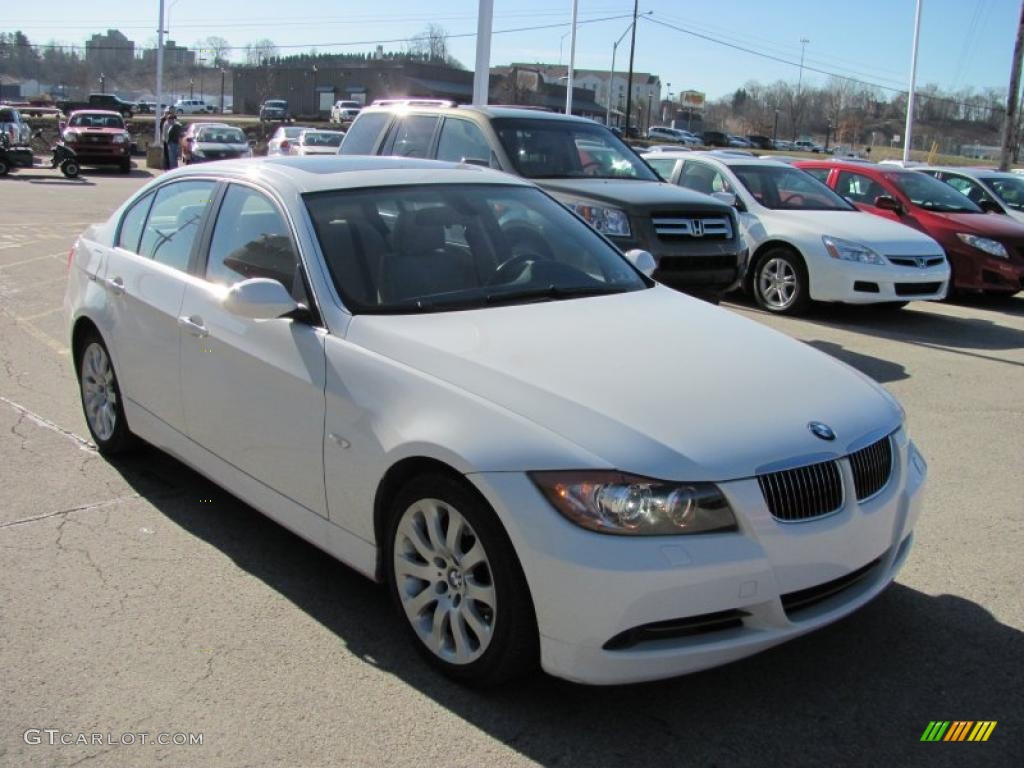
x=99, y=137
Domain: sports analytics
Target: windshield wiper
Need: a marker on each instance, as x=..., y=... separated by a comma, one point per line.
x=550, y=292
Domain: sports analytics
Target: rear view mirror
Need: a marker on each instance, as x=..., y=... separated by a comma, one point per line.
x=259, y=298
x=642, y=260
x=991, y=206
x=887, y=203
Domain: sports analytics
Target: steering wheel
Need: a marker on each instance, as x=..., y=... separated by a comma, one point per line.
x=796, y=200
x=505, y=274
x=589, y=164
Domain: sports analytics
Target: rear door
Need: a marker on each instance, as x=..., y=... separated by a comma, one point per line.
x=253, y=390
x=145, y=280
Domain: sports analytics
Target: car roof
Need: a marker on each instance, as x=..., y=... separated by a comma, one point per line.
x=968, y=171
x=483, y=111
x=104, y=112
x=729, y=159
x=302, y=175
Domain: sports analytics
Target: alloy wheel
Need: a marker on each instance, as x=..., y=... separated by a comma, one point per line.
x=99, y=393
x=778, y=283
x=444, y=581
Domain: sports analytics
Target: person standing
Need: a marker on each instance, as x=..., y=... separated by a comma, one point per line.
x=168, y=111
x=172, y=137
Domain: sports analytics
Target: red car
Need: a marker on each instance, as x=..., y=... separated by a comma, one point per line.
x=985, y=250
x=99, y=137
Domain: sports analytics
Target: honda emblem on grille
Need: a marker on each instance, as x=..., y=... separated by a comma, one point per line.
x=824, y=431
x=696, y=227
x=922, y=262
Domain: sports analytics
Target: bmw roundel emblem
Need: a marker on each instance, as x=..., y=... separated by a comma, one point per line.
x=824, y=431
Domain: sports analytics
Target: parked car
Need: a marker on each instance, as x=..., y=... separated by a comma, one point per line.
x=806, y=145
x=274, y=110
x=211, y=141
x=99, y=101
x=807, y=243
x=738, y=141
x=985, y=251
x=760, y=142
x=99, y=137
x=586, y=167
x=357, y=349
x=193, y=107
x=285, y=139
x=145, y=107
x=11, y=123
x=672, y=134
x=715, y=139
x=317, y=142
x=783, y=144
x=994, y=191
x=345, y=111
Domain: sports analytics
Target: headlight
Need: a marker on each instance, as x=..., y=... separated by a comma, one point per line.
x=845, y=250
x=120, y=138
x=70, y=136
x=991, y=247
x=613, y=502
x=607, y=221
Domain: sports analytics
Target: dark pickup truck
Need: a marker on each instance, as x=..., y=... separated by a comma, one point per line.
x=107, y=101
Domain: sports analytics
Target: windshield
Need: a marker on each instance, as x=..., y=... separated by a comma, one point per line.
x=1009, y=189
x=555, y=149
x=276, y=104
x=322, y=139
x=221, y=136
x=434, y=248
x=96, y=121
x=784, y=188
x=932, y=194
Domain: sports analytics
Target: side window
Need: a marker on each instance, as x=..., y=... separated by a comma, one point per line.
x=174, y=220
x=462, y=140
x=410, y=136
x=968, y=188
x=663, y=166
x=859, y=188
x=250, y=239
x=703, y=178
x=131, y=224
x=821, y=174
x=362, y=134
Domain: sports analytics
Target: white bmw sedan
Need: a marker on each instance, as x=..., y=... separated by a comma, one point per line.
x=448, y=381
x=806, y=242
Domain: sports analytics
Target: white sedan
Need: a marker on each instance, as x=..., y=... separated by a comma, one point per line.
x=549, y=458
x=806, y=242
x=285, y=140
x=317, y=142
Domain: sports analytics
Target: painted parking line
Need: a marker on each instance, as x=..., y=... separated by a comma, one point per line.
x=45, y=423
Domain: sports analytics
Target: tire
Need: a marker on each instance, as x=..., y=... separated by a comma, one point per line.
x=70, y=168
x=892, y=306
x=474, y=590
x=4, y=168
x=780, y=282
x=100, y=393
x=126, y=166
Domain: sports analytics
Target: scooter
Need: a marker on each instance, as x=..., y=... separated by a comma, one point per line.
x=21, y=156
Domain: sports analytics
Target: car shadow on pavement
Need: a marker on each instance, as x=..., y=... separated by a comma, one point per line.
x=860, y=692
x=878, y=369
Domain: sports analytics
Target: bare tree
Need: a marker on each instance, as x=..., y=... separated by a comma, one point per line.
x=432, y=45
x=217, y=49
x=258, y=52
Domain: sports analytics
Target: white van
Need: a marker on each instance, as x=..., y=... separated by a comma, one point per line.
x=192, y=107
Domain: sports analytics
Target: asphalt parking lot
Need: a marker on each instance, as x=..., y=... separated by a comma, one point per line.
x=135, y=597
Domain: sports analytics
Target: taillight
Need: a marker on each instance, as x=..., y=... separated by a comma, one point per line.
x=285, y=146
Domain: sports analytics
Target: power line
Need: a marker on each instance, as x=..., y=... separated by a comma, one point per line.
x=837, y=75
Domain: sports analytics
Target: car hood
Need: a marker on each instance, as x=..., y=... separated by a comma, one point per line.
x=984, y=224
x=625, y=193
x=884, y=236
x=651, y=382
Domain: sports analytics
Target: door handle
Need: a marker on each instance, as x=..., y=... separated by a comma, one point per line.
x=115, y=285
x=194, y=325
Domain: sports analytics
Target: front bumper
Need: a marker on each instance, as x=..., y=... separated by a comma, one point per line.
x=852, y=283
x=588, y=588
x=975, y=270
x=101, y=154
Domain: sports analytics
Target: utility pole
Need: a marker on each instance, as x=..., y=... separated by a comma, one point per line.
x=222, y=90
x=1011, y=98
x=799, y=107
x=629, y=82
x=908, y=130
x=572, y=59
x=159, y=75
x=482, y=74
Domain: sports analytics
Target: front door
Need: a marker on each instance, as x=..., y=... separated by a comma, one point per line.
x=253, y=390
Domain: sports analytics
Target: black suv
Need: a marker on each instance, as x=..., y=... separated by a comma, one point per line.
x=694, y=238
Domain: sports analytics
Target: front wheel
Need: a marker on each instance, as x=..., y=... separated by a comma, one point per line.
x=101, y=398
x=456, y=580
x=780, y=282
x=4, y=168
x=70, y=169
x=126, y=166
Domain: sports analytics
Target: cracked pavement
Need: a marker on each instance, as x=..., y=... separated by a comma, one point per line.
x=129, y=603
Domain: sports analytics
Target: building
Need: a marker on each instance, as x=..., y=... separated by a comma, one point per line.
x=174, y=56
x=112, y=52
x=646, y=94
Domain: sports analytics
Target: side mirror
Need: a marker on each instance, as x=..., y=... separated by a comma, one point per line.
x=259, y=298
x=726, y=197
x=991, y=206
x=887, y=203
x=476, y=161
x=642, y=260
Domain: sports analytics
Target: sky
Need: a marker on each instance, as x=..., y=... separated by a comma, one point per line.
x=963, y=42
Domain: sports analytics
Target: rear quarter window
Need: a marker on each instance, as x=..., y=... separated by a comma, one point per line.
x=361, y=138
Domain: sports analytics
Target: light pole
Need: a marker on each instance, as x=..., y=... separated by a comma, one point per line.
x=775, y=130
x=191, y=83
x=316, y=105
x=222, y=90
x=103, y=83
x=611, y=75
x=201, y=61
x=799, y=88
x=482, y=73
x=572, y=58
x=913, y=78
